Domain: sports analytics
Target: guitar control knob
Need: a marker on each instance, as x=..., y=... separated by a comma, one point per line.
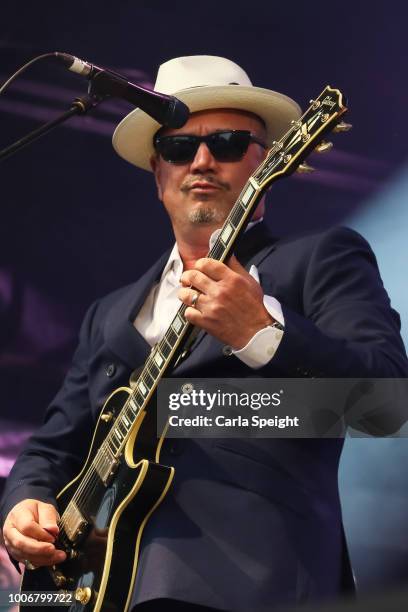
x=59, y=579
x=107, y=417
x=83, y=595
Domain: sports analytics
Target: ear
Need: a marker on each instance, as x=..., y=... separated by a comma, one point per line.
x=155, y=166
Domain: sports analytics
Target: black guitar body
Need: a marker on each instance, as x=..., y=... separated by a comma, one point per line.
x=102, y=569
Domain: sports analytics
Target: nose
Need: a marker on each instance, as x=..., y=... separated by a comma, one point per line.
x=203, y=160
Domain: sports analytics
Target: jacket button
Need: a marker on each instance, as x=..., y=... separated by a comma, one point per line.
x=110, y=370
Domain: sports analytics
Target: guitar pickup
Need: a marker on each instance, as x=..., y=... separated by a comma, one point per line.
x=74, y=522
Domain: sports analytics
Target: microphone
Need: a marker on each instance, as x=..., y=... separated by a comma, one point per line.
x=166, y=110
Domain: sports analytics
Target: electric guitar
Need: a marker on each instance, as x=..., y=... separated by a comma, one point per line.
x=105, y=508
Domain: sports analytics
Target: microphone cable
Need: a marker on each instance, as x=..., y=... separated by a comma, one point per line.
x=23, y=69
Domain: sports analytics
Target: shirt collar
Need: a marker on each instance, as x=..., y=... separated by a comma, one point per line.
x=174, y=263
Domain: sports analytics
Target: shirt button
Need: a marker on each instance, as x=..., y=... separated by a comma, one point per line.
x=110, y=370
x=227, y=351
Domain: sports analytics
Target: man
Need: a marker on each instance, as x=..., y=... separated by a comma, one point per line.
x=248, y=523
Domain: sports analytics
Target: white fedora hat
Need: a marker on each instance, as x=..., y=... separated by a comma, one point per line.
x=203, y=82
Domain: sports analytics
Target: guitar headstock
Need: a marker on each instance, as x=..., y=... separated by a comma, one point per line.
x=304, y=135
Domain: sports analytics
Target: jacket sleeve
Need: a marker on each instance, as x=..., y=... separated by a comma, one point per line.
x=346, y=327
x=56, y=452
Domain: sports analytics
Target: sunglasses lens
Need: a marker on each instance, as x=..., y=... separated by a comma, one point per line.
x=229, y=146
x=177, y=149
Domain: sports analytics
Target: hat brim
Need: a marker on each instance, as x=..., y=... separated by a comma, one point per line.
x=133, y=137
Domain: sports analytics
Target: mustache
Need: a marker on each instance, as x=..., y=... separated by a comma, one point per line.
x=190, y=180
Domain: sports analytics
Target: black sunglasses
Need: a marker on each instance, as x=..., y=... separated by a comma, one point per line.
x=226, y=146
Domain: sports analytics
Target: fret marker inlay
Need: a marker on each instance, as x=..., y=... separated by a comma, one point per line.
x=226, y=233
x=247, y=195
x=158, y=358
x=133, y=404
x=177, y=324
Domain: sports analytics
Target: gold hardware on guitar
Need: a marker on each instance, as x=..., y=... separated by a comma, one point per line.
x=305, y=168
x=315, y=104
x=107, y=417
x=83, y=595
x=58, y=578
x=342, y=127
x=324, y=146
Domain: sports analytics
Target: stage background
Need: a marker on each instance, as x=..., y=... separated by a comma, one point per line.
x=78, y=222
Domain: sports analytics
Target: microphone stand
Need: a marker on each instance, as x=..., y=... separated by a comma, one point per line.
x=80, y=106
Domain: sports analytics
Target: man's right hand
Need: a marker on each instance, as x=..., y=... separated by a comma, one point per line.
x=29, y=533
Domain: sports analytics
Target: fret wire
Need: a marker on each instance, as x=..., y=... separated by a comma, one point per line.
x=123, y=416
x=151, y=367
x=110, y=443
x=122, y=428
x=165, y=348
x=113, y=441
x=236, y=215
x=172, y=336
x=107, y=449
x=138, y=397
x=130, y=415
x=145, y=376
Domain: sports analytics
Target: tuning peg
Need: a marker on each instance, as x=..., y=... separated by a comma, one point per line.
x=324, y=146
x=303, y=168
x=342, y=127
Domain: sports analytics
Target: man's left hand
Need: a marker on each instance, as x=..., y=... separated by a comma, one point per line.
x=230, y=302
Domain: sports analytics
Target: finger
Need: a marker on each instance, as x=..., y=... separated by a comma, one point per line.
x=187, y=295
x=198, y=280
x=40, y=560
x=48, y=517
x=39, y=553
x=212, y=268
x=25, y=522
x=195, y=317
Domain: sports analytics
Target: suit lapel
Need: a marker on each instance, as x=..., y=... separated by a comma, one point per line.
x=121, y=336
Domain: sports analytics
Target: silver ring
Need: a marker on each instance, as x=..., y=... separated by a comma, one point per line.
x=28, y=564
x=194, y=299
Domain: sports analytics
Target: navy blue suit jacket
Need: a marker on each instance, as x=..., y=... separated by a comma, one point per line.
x=248, y=522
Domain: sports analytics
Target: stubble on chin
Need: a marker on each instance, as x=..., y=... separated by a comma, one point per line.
x=205, y=215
